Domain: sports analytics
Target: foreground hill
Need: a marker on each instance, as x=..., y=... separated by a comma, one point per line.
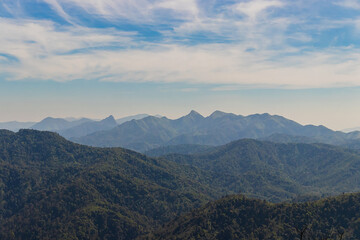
x=217, y=129
x=277, y=171
x=238, y=217
x=51, y=188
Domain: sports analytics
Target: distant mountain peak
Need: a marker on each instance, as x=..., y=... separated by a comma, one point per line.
x=194, y=113
x=109, y=119
x=52, y=119
x=218, y=114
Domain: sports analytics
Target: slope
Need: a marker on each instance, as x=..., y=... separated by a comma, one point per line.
x=276, y=171
x=57, y=124
x=88, y=128
x=238, y=217
x=51, y=188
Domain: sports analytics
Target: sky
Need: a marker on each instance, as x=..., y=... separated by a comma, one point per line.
x=76, y=58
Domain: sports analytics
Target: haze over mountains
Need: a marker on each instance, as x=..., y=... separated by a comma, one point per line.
x=217, y=129
x=16, y=126
x=143, y=132
x=70, y=127
x=52, y=188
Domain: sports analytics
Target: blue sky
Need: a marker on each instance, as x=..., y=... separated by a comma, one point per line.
x=93, y=58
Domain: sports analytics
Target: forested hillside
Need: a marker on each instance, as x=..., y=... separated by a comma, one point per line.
x=238, y=217
x=51, y=188
x=278, y=171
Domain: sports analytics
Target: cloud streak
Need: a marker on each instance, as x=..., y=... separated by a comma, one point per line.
x=247, y=43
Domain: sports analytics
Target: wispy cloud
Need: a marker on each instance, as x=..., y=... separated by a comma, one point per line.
x=253, y=9
x=242, y=43
x=354, y=4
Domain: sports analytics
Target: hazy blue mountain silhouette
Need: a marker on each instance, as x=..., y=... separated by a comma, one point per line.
x=89, y=127
x=217, y=129
x=57, y=124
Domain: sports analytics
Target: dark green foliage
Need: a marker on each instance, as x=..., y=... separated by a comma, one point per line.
x=51, y=188
x=178, y=149
x=238, y=217
x=277, y=171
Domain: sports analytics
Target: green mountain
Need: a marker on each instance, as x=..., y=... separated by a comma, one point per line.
x=177, y=149
x=277, y=171
x=238, y=217
x=217, y=129
x=51, y=188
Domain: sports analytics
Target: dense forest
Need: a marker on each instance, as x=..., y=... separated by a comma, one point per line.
x=238, y=217
x=277, y=171
x=51, y=188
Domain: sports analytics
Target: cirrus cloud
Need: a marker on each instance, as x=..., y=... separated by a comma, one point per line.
x=249, y=43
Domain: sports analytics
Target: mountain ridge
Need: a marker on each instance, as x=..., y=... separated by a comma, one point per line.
x=216, y=129
x=52, y=188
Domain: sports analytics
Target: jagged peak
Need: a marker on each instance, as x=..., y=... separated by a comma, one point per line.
x=109, y=119
x=194, y=113
x=218, y=114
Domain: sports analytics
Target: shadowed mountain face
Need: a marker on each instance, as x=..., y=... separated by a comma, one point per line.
x=51, y=188
x=237, y=217
x=129, y=118
x=75, y=128
x=57, y=124
x=217, y=129
x=70, y=127
x=89, y=127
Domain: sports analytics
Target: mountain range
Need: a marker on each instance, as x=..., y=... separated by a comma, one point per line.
x=217, y=129
x=70, y=127
x=143, y=133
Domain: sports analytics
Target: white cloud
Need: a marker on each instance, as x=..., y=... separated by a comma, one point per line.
x=354, y=4
x=187, y=8
x=137, y=11
x=253, y=8
x=41, y=50
x=58, y=8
